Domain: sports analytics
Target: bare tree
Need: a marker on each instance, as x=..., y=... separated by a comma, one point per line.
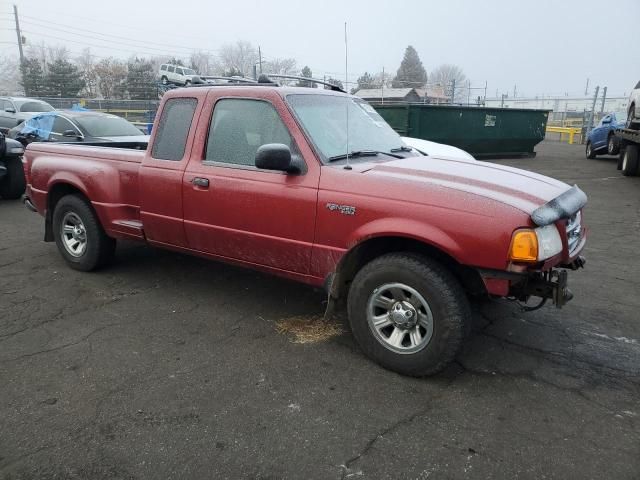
x=204, y=63
x=445, y=75
x=281, y=66
x=86, y=65
x=112, y=77
x=9, y=76
x=240, y=56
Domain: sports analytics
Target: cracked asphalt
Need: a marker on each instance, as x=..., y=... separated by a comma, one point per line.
x=169, y=366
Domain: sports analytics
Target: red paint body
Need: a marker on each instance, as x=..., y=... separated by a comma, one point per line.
x=280, y=223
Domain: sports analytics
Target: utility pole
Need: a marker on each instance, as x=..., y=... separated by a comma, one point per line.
x=593, y=108
x=604, y=97
x=382, y=86
x=586, y=88
x=515, y=91
x=260, y=59
x=18, y=33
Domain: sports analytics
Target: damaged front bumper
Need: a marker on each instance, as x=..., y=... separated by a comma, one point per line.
x=547, y=285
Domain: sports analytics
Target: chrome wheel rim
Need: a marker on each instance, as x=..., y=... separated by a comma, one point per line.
x=610, y=145
x=73, y=234
x=588, y=150
x=400, y=318
x=624, y=161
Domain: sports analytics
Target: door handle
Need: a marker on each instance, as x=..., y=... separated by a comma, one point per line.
x=200, y=182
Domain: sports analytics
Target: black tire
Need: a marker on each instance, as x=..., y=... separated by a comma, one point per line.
x=620, y=159
x=187, y=83
x=613, y=145
x=631, y=116
x=164, y=80
x=12, y=185
x=99, y=247
x=589, y=151
x=630, y=164
x=447, y=304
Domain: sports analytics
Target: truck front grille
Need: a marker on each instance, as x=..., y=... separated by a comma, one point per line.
x=574, y=231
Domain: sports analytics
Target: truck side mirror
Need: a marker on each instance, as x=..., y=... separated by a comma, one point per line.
x=70, y=133
x=10, y=110
x=275, y=156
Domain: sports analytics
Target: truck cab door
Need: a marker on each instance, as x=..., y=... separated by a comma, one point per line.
x=160, y=176
x=234, y=210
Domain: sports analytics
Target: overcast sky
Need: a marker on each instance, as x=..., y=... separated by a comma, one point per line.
x=542, y=47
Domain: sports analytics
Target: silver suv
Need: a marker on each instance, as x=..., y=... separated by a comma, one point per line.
x=15, y=110
x=176, y=74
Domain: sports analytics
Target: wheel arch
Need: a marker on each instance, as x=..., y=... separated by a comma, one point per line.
x=56, y=191
x=371, y=248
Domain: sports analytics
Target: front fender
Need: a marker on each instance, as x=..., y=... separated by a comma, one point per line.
x=406, y=228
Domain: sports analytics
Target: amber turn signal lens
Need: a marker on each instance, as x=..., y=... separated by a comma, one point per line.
x=524, y=246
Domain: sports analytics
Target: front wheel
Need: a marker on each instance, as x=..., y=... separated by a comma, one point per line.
x=631, y=116
x=408, y=313
x=79, y=236
x=589, y=151
x=613, y=145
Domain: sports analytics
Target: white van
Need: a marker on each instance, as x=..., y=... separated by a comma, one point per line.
x=176, y=74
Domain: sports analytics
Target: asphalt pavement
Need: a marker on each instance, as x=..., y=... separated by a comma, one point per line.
x=170, y=366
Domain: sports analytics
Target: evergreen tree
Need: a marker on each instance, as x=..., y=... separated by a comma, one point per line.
x=411, y=73
x=366, y=81
x=63, y=79
x=33, y=80
x=306, y=73
x=141, y=80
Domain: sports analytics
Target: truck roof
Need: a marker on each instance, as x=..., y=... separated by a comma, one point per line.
x=250, y=88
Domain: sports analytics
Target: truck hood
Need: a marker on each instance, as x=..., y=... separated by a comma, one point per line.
x=520, y=189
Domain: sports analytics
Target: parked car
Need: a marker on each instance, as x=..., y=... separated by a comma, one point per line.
x=176, y=74
x=12, y=181
x=268, y=177
x=14, y=110
x=602, y=140
x=78, y=126
x=437, y=149
x=633, y=110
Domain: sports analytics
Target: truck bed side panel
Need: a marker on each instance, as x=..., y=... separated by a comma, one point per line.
x=108, y=177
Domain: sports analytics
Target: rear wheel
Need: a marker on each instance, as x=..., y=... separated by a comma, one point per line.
x=187, y=83
x=631, y=116
x=164, y=80
x=630, y=164
x=408, y=313
x=12, y=185
x=613, y=145
x=79, y=236
x=589, y=152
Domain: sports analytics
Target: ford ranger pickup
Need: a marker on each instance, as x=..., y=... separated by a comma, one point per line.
x=314, y=186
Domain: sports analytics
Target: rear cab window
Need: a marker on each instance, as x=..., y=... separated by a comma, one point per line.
x=173, y=129
x=171, y=68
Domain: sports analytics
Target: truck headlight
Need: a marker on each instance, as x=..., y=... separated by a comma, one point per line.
x=535, y=245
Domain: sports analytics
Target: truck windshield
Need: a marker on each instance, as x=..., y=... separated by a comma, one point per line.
x=324, y=117
x=188, y=71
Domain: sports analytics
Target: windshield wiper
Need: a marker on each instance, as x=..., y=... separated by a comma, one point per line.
x=361, y=153
x=402, y=149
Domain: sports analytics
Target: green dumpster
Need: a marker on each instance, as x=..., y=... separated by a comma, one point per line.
x=481, y=131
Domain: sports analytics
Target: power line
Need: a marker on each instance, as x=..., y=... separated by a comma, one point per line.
x=160, y=50
x=32, y=21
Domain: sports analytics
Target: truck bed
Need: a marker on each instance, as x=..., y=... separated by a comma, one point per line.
x=628, y=134
x=106, y=175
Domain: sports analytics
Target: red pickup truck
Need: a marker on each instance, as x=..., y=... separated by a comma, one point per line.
x=258, y=175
